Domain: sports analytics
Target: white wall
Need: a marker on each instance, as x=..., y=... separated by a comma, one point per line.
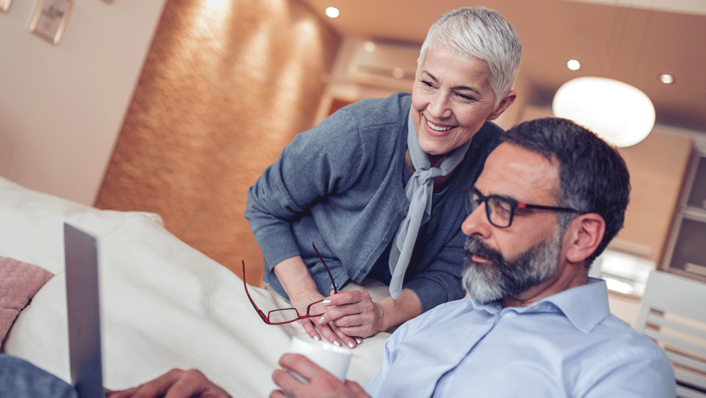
x=62, y=107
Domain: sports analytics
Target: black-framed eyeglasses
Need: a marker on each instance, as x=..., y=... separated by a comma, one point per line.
x=288, y=315
x=501, y=210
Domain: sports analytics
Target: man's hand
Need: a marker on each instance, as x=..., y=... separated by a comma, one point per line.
x=353, y=313
x=176, y=383
x=321, y=383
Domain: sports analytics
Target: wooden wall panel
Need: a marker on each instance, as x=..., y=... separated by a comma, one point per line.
x=226, y=85
x=658, y=166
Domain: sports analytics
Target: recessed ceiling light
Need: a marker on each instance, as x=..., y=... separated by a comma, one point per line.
x=573, y=64
x=332, y=12
x=666, y=78
x=398, y=73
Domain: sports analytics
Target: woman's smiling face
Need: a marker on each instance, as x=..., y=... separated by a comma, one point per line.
x=451, y=99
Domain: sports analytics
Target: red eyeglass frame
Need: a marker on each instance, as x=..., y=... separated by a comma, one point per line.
x=266, y=318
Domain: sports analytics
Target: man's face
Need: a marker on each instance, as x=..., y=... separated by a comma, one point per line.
x=508, y=262
x=486, y=282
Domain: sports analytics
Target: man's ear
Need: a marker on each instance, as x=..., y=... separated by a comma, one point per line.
x=585, y=234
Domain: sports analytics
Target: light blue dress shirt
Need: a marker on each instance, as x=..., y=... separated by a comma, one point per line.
x=566, y=345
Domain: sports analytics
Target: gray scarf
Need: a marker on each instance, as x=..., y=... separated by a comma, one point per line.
x=419, y=192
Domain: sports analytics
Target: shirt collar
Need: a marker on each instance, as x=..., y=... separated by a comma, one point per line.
x=584, y=306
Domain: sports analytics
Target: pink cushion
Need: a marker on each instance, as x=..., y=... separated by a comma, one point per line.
x=18, y=283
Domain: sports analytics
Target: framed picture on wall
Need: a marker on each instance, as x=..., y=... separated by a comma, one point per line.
x=50, y=19
x=5, y=5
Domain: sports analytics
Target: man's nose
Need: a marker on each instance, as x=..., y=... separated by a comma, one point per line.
x=477, y=223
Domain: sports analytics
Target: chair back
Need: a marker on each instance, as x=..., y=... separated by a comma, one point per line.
x=673, y=313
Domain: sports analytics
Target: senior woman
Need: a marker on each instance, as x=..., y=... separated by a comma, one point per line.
x=379, y=186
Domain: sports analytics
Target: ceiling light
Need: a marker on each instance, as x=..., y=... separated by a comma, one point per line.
x=617, y=112
x=666, y=78
x=573, y=64
x=332, y=12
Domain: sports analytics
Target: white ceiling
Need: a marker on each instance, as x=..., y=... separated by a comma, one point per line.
x=629, y=40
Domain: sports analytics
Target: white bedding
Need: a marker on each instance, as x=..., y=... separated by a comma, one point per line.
x=163, y=303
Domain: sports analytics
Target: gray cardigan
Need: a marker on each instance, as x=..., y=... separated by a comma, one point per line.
x=340, y=186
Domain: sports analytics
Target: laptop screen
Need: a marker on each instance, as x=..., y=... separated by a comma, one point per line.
x=81, y=268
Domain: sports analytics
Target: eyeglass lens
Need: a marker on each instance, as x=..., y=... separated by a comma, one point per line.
x=498, y=210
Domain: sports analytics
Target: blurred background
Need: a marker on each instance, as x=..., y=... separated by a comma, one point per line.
x=176, y=106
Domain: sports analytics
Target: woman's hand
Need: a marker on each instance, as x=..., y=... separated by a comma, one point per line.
x=315, y=330
x=353, y=313
x=302, y=291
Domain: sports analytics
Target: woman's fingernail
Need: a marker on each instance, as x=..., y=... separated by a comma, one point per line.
x=321, y=320
x=358, y=340
x=337, y=343
x=351, y=345
x=317, y=338
x=326, y=302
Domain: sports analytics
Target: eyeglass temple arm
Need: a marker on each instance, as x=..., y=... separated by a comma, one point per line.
x=325, y=267
x=245, y=285
x=522, y=205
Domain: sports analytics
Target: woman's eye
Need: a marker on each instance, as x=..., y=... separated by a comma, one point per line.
x=466, y=98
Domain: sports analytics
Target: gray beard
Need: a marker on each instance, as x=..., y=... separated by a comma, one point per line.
x=500, y=278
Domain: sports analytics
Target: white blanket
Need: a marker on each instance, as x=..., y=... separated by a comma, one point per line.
x=163, y=303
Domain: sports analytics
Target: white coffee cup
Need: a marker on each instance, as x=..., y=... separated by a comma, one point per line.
x=333, y=359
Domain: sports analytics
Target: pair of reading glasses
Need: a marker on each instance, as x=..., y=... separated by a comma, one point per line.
x=288, y=315
x=501, y=209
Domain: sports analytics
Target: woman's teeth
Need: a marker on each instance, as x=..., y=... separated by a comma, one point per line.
x=436, y=128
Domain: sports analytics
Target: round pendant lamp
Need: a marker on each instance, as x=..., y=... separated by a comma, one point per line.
x=617, y=112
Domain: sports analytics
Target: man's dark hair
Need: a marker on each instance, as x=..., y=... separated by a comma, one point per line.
x=593, y=176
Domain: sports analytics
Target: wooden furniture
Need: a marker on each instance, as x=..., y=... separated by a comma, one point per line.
x=685, y=255
x=674, y=315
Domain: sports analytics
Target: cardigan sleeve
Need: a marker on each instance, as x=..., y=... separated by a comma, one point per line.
x=318, y=162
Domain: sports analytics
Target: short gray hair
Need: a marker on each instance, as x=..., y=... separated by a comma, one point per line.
x=593, y=176
x=480, y=33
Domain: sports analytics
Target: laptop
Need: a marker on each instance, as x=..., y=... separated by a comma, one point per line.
x=81, y=269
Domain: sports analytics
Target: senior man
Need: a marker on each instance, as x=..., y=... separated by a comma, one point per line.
x=550, y=198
